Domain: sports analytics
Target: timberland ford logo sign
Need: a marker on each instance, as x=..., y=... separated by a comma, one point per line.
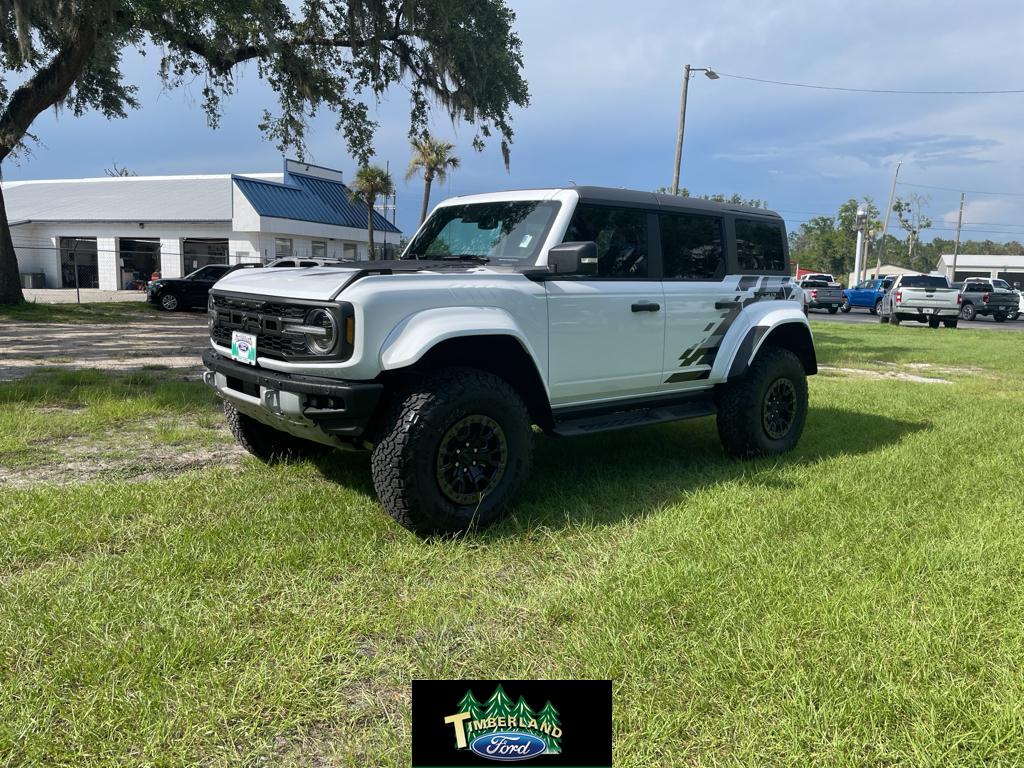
x=505, y=730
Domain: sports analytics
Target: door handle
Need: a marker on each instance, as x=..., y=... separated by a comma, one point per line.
x=645, y=306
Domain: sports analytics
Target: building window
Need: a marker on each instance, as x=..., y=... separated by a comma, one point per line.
x=349, y=251
x=318, y=249
x=282, y=247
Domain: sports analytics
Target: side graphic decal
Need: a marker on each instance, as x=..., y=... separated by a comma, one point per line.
x=696, y=361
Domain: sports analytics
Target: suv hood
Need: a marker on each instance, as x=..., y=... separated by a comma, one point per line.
x=325, y=283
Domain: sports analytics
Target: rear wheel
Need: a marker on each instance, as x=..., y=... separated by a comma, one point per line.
x=269, y=444
x=763, y=413
x=882, y=318
x=950, y=323
x=833, y=309
x=453, y=451
x=933, y=322
x=894, y=319
x=999, y=317
x=967, y=312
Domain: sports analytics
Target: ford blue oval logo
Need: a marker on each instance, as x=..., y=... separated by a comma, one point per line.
x=508, y=745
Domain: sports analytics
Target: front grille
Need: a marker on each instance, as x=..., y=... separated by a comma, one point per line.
x=264, y=318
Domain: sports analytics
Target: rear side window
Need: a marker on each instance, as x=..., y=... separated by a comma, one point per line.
x=977, y=287
x=620, y=234
x=285, y=264
x=691, y=247
x=760, y=246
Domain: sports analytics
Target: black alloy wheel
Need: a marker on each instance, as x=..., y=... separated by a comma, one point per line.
x=779, y=409
x=471, y=459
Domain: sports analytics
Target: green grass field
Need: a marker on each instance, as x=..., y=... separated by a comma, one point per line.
x=858, y=602
x=95, y=312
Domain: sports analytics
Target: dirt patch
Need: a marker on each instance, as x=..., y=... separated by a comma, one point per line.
x=866, y=373
x=131, y=455
x=174, y=343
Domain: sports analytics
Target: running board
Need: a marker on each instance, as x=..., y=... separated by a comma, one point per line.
x=589, y=424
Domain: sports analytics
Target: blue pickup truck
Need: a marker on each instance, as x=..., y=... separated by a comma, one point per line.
x=867, y=294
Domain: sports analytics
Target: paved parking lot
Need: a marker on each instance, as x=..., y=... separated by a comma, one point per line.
x=982, y=323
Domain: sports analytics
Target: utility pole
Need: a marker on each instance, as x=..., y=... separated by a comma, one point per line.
x=956, y=246
x=687, y=71
x=885, y=224
x=682, y=125
x=858, y=262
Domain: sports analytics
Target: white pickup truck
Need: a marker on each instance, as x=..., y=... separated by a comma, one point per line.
x=924, y=298
x=577, y=310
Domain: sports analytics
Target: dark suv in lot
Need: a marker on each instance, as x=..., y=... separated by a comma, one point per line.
x=175, y=293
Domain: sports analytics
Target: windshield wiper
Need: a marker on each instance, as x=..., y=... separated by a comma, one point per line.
x=466, y=257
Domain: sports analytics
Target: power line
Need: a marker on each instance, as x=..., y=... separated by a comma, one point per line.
x=968, y=191
x=870, y=90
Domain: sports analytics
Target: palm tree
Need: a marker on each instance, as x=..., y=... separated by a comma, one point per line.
x=371, y=182
x=434, y=158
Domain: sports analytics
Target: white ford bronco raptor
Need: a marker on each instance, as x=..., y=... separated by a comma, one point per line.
x=577, y=310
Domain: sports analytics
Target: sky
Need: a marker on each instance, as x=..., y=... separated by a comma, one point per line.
x=604, y=79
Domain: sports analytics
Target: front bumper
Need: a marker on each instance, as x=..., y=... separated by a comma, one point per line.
x=312, y=407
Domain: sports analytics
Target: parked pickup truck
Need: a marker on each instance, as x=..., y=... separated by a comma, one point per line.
x=867, y=294
x=820, y=294
x=924, y=298
x=578, y=310
x=983, y=296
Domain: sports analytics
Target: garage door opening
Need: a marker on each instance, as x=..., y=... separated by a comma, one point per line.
x=198, y=252
x=140, y=258
x=78, y=255
x=1016, y=279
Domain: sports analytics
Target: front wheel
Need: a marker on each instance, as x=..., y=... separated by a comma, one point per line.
x=845, y=306
x=452, y=451
x=875, y=309
x=967, y=312
x=763, y=413
x=1013, y=315
x=170, y=302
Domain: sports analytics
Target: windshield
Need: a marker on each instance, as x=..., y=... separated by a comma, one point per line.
x=506, y=232
x=924, y=281
x=209, y=272
x=1002, y=285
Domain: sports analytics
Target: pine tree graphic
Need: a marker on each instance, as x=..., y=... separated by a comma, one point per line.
x=471, y=705
x=549, y=717
x=499, y=705
x=522, y=712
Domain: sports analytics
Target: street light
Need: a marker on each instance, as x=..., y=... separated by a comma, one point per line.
x=710, y=74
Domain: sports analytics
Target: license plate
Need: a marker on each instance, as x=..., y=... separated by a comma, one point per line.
x=243, y=347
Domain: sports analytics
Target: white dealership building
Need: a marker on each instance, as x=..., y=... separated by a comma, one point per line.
x=1009, y=268
x=114, y=232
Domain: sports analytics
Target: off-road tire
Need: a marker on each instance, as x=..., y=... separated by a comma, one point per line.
x=410, y=437
x=269, y=444
x=950, y=323
x=967, y=312
x=171, y=302
x=742, y=403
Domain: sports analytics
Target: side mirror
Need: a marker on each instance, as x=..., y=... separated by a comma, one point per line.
x=579, y=258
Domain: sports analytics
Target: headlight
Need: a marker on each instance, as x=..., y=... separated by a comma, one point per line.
x=211, y=311
x=321, y=331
